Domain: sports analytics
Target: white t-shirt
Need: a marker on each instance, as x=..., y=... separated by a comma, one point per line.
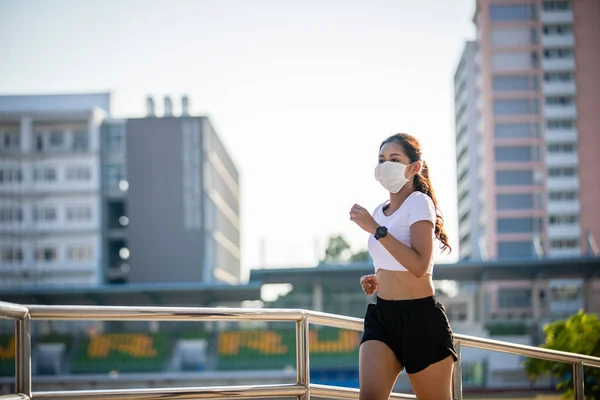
x=417, y=207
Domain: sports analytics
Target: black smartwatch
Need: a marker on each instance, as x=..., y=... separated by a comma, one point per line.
x=380, y=232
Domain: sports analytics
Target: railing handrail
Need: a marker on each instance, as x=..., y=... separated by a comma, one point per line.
x=133, y=313
x=23, y=315
x=12, y=311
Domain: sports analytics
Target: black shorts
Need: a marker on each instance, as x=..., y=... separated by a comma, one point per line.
x=417, y=331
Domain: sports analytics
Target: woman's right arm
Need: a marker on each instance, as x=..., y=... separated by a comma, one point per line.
x=369, y=284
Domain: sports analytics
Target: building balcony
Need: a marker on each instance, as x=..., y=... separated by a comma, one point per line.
x=563, y=253
x=558, y=64
x=462, y=142
x=563, y=183
x=463, y=164
x=556, y=17
x=562, y=159
x=560, y=111
x=559, y=88
x=556, y=231
x=560, y=41
x=464, y=206
x=564, y=207
x=561, y=136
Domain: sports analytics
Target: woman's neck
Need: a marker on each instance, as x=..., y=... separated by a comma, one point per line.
x=396, y=199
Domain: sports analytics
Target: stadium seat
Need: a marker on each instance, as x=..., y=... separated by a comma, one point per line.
x=125, y=352
x=276, y=349
x=7, y=355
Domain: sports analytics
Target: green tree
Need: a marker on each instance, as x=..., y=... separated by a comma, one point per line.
x=359, y=256
x=338, y=250
x=578, y=334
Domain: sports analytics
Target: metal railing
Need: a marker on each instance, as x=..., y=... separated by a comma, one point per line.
x=303, y=389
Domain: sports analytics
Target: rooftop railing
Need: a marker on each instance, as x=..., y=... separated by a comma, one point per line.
x=302, y=389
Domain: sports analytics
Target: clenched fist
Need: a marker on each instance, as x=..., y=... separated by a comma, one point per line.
x=369, y=284
x=363, y=218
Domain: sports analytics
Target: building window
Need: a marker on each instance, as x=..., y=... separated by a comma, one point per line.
x=557, y=54
x=563, y=196
x=515, y=107
x=515, y=249
x=564, y=219
x=516, y=225
x=11, y=214
x=46, y=254
x=503, y=13
x=514, y=178
x=79, y=174
x=560, y=100
x=10, y=141
x=514, y=61
x=79, y=213
x=57, y=139
x=562, y=171
x=514, y=154
x=516, y=130
x=514, y=298
x=557, y=30
x=559, y=77
x=79, y=253
x=513, y=36
x=115, y=138
x=564, y=244
x=11, y=255
x=44, y=174
x=560, y=124
x=38, y=142
x=44, y=214
x=501, y=83
x=80, y=141
x=556, y=5
x=114, y=174
x=562, y=148
x=10, y=175
x=514, y=201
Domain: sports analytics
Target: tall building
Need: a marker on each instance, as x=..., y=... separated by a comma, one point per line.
x=50, y=189
x=526, y=101
x=87, y=199
x=171, y=197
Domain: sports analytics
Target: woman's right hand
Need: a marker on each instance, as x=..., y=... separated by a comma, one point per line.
x=369, y=284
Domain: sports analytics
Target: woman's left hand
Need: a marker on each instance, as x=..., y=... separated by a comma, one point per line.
x=363, y=219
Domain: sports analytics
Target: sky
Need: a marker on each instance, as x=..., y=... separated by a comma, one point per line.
x=301, y=92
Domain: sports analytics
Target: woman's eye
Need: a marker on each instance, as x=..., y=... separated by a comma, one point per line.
x=381, y=161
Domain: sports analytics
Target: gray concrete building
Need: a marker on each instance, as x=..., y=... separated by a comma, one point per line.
x=171, y=201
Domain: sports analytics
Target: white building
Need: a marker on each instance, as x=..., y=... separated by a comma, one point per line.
x=50, y=197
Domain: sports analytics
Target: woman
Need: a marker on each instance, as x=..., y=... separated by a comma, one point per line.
x=407, y=327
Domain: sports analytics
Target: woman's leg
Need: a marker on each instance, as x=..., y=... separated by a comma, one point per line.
x=378, y=370
x=434, y=382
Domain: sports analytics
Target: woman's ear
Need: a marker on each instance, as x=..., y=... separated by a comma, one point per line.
x=415, y=168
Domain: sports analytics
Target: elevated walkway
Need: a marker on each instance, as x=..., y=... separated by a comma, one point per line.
x=23, y=315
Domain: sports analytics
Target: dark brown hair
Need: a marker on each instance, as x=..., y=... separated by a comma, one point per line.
x=412, y=149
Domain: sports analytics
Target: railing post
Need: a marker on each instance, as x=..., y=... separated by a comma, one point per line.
x=23, y=355
x=457, y=374
x=302, y=356
x=578, y=382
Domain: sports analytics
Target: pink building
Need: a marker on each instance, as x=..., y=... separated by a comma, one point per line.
x=527, y=96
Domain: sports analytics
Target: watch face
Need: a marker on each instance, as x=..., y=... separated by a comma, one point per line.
x=381, y=231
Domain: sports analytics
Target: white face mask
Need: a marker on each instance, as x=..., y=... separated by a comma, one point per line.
x=391, y=175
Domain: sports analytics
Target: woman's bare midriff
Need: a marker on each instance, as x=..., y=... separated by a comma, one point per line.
x=403, y=285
